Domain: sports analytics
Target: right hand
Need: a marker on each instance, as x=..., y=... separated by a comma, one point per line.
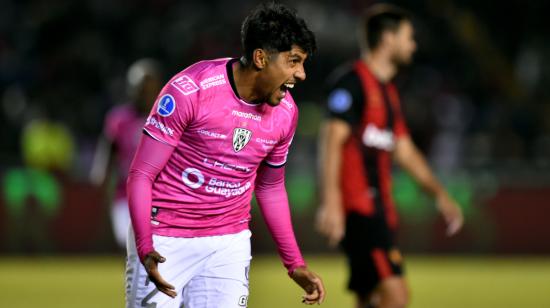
x=452, y=213
x=331, y=222
x=150, y=262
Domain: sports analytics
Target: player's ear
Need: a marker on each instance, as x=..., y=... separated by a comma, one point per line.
x=388, y=38
x=259, y=58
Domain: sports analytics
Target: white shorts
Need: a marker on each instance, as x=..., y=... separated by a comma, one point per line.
x=207, y=272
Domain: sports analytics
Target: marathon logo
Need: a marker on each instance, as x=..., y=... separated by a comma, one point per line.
x=247, y=115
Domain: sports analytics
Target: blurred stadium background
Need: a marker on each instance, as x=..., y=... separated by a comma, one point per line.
x=477, y=101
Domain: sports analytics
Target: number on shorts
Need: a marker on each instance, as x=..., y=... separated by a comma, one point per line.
x=145, y=302
x=243, y=300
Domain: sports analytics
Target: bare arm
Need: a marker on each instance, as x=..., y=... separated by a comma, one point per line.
x=411, y=160
x=330, y=217
x=102, y=163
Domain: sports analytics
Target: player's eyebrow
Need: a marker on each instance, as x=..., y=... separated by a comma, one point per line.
x=292, y=56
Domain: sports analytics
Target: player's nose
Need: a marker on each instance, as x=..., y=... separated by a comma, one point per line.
x=300, y=74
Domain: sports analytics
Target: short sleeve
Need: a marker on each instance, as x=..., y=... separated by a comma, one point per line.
x=278, y=155
x=173, y=110
x=345, y=99
x=400, y=126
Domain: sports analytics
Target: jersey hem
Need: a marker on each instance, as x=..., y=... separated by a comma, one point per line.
x=190, y=233
x=150, y=134
x=274, y=165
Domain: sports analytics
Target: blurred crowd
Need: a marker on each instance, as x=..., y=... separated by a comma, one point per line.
x=476, y=95
x=476, y=98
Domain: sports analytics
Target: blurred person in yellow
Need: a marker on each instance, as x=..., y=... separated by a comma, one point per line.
x=33, y=192
x=363, y=132
x=121, y=132
x=47, y=145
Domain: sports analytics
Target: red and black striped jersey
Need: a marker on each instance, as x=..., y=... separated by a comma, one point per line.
x=372, y=109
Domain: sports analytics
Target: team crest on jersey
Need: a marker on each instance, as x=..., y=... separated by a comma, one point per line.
x=241, y=137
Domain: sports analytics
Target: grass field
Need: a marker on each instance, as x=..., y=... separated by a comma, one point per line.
x=435, y=282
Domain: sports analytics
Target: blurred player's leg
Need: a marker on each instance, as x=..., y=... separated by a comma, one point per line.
x=392, y=292
x=222, y=284
x=375, y=263
x=120, y=219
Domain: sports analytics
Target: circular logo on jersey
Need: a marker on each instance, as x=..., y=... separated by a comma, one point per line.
x=339, y=100
x=166, y=105
x=192, y=177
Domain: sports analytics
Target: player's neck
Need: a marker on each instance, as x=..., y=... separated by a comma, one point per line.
x=380, y=65
x=244, y=78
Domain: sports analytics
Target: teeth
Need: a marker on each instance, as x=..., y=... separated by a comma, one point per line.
x=289, y=85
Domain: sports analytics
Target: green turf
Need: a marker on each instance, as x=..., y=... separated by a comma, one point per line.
x=435, y=282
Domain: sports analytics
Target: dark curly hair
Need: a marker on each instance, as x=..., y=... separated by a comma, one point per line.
x=275, y=27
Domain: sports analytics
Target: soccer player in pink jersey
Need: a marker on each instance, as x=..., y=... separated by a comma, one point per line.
x=219, y=130
x=122, y=130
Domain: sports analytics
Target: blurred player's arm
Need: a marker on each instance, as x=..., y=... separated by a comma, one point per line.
x=103, y=162
x=273, y=202
x=411, y=160
x=150, y=158
x=330, y=217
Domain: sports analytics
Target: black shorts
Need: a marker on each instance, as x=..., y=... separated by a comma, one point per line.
x=371, y=252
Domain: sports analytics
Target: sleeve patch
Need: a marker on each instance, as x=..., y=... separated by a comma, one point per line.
x=339, y=100
x=166, y=105
x=185, y=85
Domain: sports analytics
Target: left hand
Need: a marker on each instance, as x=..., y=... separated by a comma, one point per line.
x=311, y=283
x=150, y=262
x=451, y=212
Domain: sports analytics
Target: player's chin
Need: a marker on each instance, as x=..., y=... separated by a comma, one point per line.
x=407, y=60
x=275, y=100
x=273, y=103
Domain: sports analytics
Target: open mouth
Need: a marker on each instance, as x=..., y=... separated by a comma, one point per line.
x=285, y=87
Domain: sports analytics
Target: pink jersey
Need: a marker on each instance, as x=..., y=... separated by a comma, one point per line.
x=123, y=127
x=220, y=140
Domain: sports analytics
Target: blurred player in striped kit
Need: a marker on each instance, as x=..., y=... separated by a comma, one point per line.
x=121, y=132
x=364, y=130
